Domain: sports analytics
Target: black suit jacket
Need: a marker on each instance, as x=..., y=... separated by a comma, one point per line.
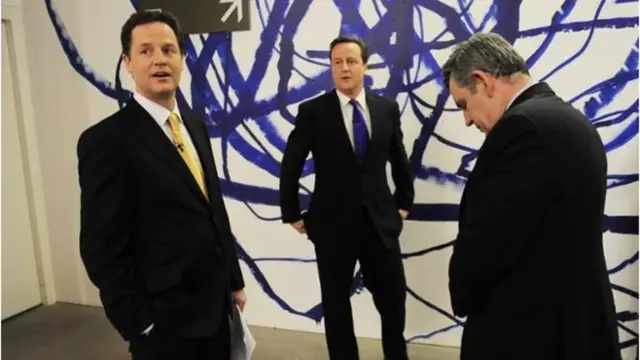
x=156, y=248
x=342, y=187
x=529, y=246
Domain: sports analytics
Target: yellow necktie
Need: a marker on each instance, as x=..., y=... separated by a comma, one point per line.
x=187, y=156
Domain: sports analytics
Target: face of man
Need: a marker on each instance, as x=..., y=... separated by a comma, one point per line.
x=481, y=108
x=155, y=61
x=347, y=68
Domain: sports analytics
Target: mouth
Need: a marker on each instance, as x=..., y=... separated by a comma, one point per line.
x=161, y=75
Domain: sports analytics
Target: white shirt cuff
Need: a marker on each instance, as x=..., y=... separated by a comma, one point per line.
x=147, y=330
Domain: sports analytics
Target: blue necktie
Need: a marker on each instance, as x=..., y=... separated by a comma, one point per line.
x=360, y=133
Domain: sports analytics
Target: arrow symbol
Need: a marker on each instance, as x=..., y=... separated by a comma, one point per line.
x=235, y=5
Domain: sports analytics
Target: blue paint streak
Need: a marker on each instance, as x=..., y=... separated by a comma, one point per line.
x=625, y=290
x=247, y=127
x=581, y=50
x=621, y=180
x=632, y=260
x=433, y=333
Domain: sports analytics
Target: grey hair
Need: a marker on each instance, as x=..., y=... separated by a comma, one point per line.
x=487, y=52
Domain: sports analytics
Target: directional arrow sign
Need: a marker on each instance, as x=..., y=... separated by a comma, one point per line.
x=235, y=5
x=205, y=16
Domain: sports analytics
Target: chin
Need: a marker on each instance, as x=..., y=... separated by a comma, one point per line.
x=346, y=88
x=164, y=91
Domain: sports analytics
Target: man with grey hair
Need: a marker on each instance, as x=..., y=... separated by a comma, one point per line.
x=528, y=267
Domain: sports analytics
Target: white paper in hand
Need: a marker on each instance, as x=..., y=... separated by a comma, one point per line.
x=242, y=341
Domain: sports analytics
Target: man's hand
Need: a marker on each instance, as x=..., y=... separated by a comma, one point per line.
x=299, y=226
x=240, y=298
x=403, y=213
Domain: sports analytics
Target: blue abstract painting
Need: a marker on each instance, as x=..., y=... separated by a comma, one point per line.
x=247, y=85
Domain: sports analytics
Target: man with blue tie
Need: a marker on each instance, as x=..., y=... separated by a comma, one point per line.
x=352, y=215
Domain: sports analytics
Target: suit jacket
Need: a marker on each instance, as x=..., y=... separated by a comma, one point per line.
x=529, y=245
x=156, y=248
x=342, y=186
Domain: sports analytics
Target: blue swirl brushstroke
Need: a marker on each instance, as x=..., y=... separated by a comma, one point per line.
x=281, y=21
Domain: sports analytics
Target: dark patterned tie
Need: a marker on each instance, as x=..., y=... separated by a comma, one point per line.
x=360, y=133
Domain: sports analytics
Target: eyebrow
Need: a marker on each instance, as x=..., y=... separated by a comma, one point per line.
x=347, y=58
x=167, y=44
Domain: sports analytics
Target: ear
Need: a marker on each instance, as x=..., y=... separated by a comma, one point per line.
x=127, y=61
x=484, y=82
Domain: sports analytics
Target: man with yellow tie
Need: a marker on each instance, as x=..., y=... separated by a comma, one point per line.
x=155, y=235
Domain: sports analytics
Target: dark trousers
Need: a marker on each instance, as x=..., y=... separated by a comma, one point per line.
x=383, y=275
x=161, y=344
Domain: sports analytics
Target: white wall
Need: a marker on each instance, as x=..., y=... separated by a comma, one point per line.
x=65, y=103
x=14, y=3
x=61, y=112
x=14, y=34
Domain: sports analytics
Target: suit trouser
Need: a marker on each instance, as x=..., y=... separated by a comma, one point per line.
x=383, y=275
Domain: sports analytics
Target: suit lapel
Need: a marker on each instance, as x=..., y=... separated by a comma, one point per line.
x=338, y=122
x=158, y=143
x=375, y=114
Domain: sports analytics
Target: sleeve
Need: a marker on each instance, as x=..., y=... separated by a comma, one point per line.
x=296, y=151
x=400, y=166
x=502, y=210
x=105, y=232
x=236, y=279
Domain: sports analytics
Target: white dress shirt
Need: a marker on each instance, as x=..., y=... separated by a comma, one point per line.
x=347, y=113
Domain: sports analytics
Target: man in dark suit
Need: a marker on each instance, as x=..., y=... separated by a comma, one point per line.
x=352, y=215
x=528, y=267
x=155, y=236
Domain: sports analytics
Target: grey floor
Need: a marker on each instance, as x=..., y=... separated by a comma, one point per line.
x=73, y=332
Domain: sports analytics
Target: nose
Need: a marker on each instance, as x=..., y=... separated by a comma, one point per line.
x=159, y=57
x=467, y=120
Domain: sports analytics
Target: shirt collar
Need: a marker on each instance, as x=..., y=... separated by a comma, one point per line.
x=158, y=112
x=344, y=99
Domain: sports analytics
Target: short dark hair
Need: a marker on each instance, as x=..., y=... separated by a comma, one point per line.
x=488, y=52
x=147, y=17
x=364, y=50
